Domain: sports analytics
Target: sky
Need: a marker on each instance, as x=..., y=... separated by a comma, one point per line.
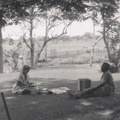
x=76, y=28
x=79, y=28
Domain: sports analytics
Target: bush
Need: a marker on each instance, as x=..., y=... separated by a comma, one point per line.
x=100, y=59
x=81, y=59
x=113, y=68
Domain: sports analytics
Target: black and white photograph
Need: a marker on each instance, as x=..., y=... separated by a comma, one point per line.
x=59, y=59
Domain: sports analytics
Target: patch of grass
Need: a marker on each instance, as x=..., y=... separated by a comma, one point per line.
x=79, y=59
x=58, y=107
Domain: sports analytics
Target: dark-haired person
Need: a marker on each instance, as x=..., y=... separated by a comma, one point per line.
x=104, y=89
x=24, y=86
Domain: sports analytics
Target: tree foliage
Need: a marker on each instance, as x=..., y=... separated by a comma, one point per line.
x=11, y=11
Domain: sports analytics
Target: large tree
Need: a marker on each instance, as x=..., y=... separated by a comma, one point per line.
x=113, y=40
x=68, y=10
x=10, y=10
x=108, y=9
x=51, y=19
x=28, y=22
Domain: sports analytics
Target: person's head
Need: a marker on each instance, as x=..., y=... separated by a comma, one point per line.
x=25, y=69
x=105, y=67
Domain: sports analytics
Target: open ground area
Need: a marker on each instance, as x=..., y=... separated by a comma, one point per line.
x=60, y=107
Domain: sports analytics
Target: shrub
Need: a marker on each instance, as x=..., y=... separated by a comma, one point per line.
x=81, y=59
x=100, y=59
x=112, y=68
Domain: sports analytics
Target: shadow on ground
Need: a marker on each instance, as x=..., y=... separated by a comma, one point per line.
x=59, y=107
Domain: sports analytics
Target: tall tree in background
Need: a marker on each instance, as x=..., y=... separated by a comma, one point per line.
x=9, y=10
x=34, y=13
x=53, y=20
x=12, y=9
x=114, y=43
x=108, y=9
x=94, y=16
x=68, y=10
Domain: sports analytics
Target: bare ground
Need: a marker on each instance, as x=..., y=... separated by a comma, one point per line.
x=60, y=107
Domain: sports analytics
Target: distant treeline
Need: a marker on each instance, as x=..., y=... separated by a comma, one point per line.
x=85, y=37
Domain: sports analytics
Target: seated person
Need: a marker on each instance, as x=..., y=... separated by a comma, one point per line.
x=104, y=89
x=23, y=86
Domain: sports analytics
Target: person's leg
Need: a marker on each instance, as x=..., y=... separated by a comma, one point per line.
x=104, y=91
x=87, y=92
x=26, y=91
x=32, y=90
x=72, y=96
x=83, y=94
x=42, y=91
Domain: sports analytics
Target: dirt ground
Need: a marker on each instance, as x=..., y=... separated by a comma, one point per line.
x=59, y=107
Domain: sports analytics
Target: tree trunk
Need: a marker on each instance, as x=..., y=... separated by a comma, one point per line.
x=32, y=55
x=32, y=49
x=38, y=55
x=44, y=44
x=1, y=49
x=93, y=40
x=46, y=35
x=105, y=41
x=31, y=40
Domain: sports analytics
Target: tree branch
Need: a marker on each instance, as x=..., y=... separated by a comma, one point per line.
x=26, y=42
x=63, y=32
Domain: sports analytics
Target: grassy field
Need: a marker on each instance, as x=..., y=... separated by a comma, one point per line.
x=72, y=45
x=59, y=52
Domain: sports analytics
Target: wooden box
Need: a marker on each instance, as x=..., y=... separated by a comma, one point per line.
x=83, y=84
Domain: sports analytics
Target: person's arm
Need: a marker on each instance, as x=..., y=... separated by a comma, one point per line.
x=19, y=83
x=27, y=80
x=105, y=81
x=101, y=85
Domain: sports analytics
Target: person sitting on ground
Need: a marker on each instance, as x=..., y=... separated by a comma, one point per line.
x=104, y=89
x=23, y=86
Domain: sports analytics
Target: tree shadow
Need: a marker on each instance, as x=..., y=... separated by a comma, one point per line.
x=46, y=106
